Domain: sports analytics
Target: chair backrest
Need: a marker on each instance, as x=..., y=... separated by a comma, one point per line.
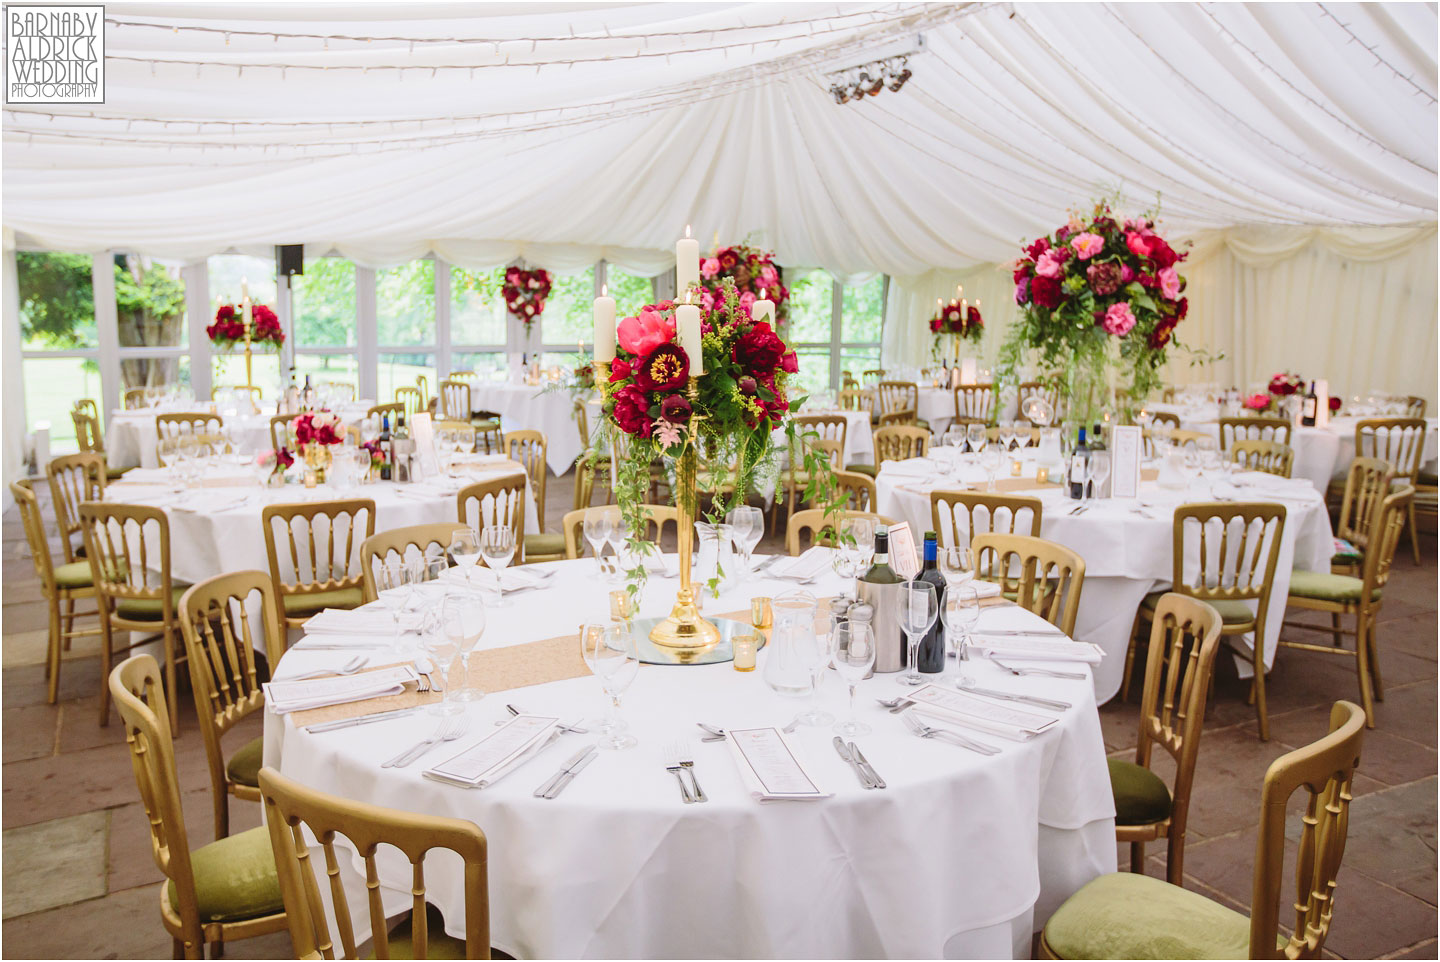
x=974, y=403
x=872, y=375
x=251, y=389
x=1367, y=484
x=134, y=398
x=282, y=432
x=848, y=380
x=1028, y=389
x=1227, y=551
x=313, y=558
x=1164, y=418
x=898, y=396
x=495, y=501
x=584, y=485
x=423, y=383
x=821, y=530
x=1184, y=637
x=74, y=478
x=1414, y=407
x=87, y=431
x=87, y=405
x=1047, y=577
x=140, y=697
x=827, y=427
x=1324, y=769
x=1256, y=454
x=1389, y=522
x=900, y=442
x=377, y=549
x=455, y=399
x=291, y=807
x=465, y=375
x=582, y=424
x=906, y=417
x=344, y=388
x=857, y=489
x=528, y=447
x=1005, y=513
x=393, y=410
x=34, y=524
x=857, y=399
x=205, y=428
x=1248, y=427
x=121, y=544
x=1401, y=441
x=464, y=429
x=410, y=399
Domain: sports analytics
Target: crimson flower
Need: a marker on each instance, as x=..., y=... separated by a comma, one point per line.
x=675, y=409
x=1045, y=292
x=664, y=369
x=759, y=349
x=619, y=370
x=632, y=411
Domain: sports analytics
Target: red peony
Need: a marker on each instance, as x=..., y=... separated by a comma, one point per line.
x=1038, y=247
x=728, y=259
x=664, y=369
x=758, y=349
x=225, y=313
x=789, y=363
x=619, y=370
x=632, y=411
x=1104, y=279
x=935, y=325
x=1045, y=291
x=748, y=386
x=1335, y=403
x=675, y=409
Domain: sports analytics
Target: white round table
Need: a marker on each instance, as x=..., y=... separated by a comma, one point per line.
x=130, y=438
x=961, y=856
x=532, y=406
x=1127, y=545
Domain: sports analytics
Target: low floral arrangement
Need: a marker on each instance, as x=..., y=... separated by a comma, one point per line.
x=753, y=273
x=525, y=292
x=1099, y=292
x=318, y=427
x=229, y=327
x=1259, y=402
x=377, y=454
x=1285, y=384
x=277, y=461
x=1334, y=403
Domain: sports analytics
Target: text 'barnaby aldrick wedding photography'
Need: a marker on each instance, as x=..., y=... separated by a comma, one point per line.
x=54, y=53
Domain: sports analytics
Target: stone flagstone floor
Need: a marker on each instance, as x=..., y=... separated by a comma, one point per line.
x=79, y=880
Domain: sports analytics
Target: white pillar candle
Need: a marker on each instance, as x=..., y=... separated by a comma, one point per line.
x=687, y=263
x=687, y=327
x=604, y=326
x=763, y=310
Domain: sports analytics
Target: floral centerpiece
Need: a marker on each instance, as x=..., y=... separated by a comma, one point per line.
x=316, y=432
x=1282, y=385
x=277, y=461
x=961, y=322
x=377, y=455
x=229, y=327
x=1099, y=294
x=753, y=273
x=525, y=292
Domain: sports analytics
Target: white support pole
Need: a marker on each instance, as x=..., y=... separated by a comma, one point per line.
x=837, y=310
x=443, y=360
x=197, y=310
x=366, y=337
x=285, y=312
x=107, y=329
x=12, y=377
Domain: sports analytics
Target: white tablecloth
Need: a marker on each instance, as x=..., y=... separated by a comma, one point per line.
x=962, y=856
x=1126, y=554
x=937, y=406
x=130, y=437
x=859, y=442
x=523, y=406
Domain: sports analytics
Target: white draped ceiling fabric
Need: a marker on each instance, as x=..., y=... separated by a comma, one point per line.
x=1295, y=143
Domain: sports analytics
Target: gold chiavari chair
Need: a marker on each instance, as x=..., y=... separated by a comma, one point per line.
x=92, y=440
x=1224, y=555
x=489, y=439
x=87, y=405
x=393, y=410
x=820, y=527
x=1401, y=441
x=898, y=396
x=900, y=442
x=589, y=464
x=455, y=399
x=848, y=381
x=655, y=517
x=135, y=397
x=463, y=430
x=828, y=432
x=873, y=376
x=207, y=429
x=495, y=501
x=857, y=491
x=465, y=375
x=282, y=432
x=1367, y=483
x=1044, y=577
x=342, y=389
x=225, y=677
x=974, y=403
x=528, y=447
x=251, y=389
x=291, y=808
x=222, y=892
x=1414, y=407
x=857, y=399
x=1360, y=598
x=1028, y=389
x=1003, y=513
x=1129, y=916
x=1271, y=457
x=379, y=548
x=67, y=582
x=1184, y=637
x=410, y=399
x=1251, y=428
x=133, y=587
x=423, y=383
x=326, y=570
x=1164, y=419
x=74, y=479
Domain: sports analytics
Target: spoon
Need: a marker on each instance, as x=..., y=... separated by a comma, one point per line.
x=349, y=668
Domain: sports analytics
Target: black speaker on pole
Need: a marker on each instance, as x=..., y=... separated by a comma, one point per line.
x=289, y=260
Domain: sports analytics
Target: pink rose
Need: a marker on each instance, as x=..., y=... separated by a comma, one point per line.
x=1118, y=320
x=1137, y=244
x=747, y=301
x=768, y=277
x=1170, y=283
x=1049, y=264
x=709, y=268
x=641, y=335
x=1127, y=274
x=1087, y=245
x=707, y=300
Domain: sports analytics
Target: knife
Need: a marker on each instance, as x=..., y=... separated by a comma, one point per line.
x=1018, y=632
x=568, y=776
x=865, y=763
x=550, y=782
x=844, y=753
x=1028, y=699
x=361, y=720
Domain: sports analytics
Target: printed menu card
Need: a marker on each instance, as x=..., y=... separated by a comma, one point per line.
x=1125, y=447
x=767, y=766
x=497, y=754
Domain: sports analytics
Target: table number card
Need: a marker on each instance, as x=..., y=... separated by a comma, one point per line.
x=1125, y=446
x=423, y=431
x=903, y=559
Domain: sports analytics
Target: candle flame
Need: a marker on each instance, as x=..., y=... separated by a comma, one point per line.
x=687, y=231
x=603, y=289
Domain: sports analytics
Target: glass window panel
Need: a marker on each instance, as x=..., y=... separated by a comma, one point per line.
x=57, y=301
x=405, y=304
x=149, y=303
x=489, y=365
x=229, y=371
x=570, y=309
x=858, y=359
x=862, y=310
x=230, y=274
x=814, y=372
x=631, y=291
x=810, y=309
x=323, y=303
x=327, y=367
x=398, y=370
x=52, y=386
x=156, y=372
x=477, y=311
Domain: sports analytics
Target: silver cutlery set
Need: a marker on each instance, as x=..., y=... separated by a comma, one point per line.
x=679, y=763
x=850, y=752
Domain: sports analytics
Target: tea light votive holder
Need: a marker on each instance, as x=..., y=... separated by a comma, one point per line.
x=744, y=648
x=760, y=612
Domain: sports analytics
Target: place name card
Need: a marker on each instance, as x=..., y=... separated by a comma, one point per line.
x=497, y=754
x=903, y=557
x=768, y=767
x=1126, y=443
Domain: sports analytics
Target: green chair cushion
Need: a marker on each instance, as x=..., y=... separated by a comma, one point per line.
x=114, y=474
x=243, y=768
x=1141, y=796
x=1323, y=586
x=1231, y=612
x=866, y=469
x=544, y=544
x=303, y=606
x=1428, y=479
x=76, y=574
x=1128, y=916
x=1345, y=553
x=148, y=609
x=234, y=878
x=438, y=945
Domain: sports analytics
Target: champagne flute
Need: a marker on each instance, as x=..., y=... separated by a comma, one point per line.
x=609, y=651
x=975, y=434
x=1098, y=470
x=497, y=547
x=465, y=549
x=441, y=649
x=1007, y=435
x=853, y=654
x=957, y=566
x=597, y=532
x=749, y=525
x=960, y=614
x=462, y=617
x=917, y=611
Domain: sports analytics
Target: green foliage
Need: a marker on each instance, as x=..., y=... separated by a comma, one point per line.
x=405, y=304
x=57, y=298
x=324, y=303
x=629, y=288
x=147, y=291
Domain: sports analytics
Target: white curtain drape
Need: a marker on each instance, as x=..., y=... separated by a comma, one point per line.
x=1356, y=306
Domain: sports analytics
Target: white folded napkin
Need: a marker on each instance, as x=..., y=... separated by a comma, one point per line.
x=499, y=753
x=287, y=696
x=360, y=621
x=1037, y=648
x=946, y=707
x=982, y=589
x=211, y=502
x=813, y=562
x=910, y=468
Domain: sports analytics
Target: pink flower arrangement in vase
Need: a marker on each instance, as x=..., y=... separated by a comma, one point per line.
x=317, y=432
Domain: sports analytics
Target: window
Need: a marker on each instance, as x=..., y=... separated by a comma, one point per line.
x=405, y=318
x=833, y=333
x=862, y=318
x=322, y=305
x=150, y=323
x=477, y=322
x=810, y=320
x=569, y=317
x=229, y=276
x=631, y=291
x=59, y=340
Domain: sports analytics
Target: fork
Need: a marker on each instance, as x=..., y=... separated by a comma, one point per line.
x=449, y=730
x=349, y=668
x=1046, y=672
x=688, y=763
x=925, y=731
x=672, y=765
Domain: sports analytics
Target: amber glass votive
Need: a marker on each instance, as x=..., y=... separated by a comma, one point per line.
x=744, y=647
x=760, y=612
x=620, y=605
x=1016, y=466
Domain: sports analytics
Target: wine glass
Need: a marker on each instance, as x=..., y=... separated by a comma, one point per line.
x=393, y=579
x=617, y=535
x=442, y=651
x=852, y=652
x=748, y=524
x=975, y=434
x=597, y=531
x=497, y=547
x=916, y=611
x=1007, y=435
x=990, y=460
x=462, y=618
x=465, y=549
x=957, y=566
x=1097, y=471
x=609, y=651
x=960, y=614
